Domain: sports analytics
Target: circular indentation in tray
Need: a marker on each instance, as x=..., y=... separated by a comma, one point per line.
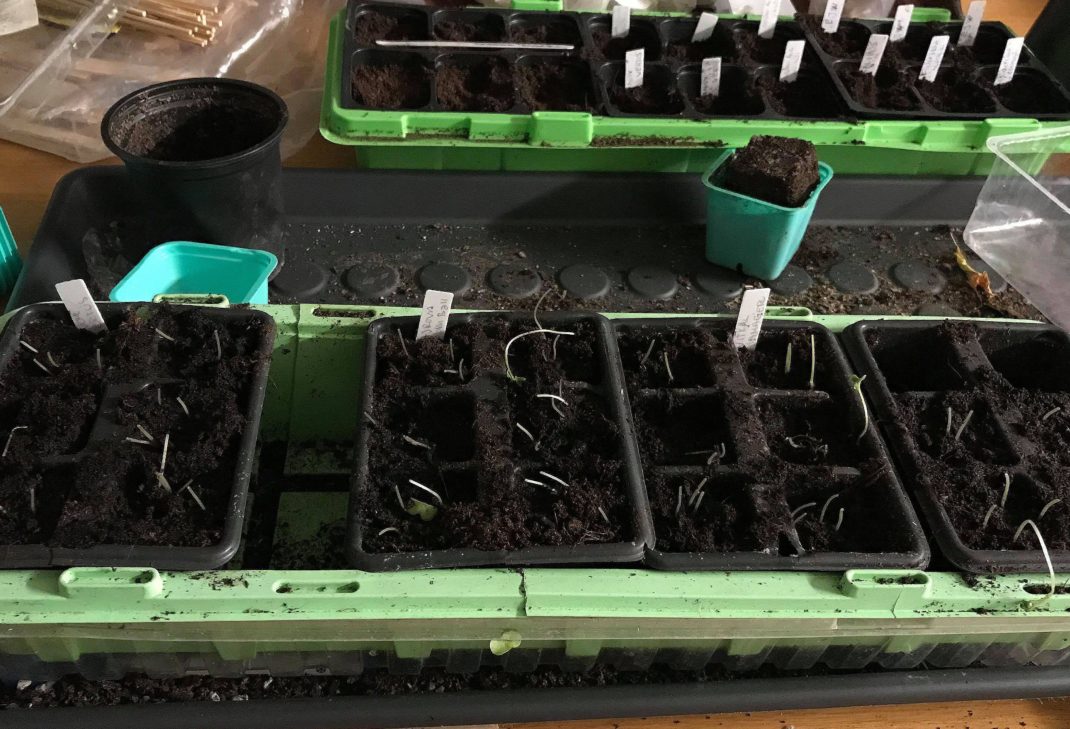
x=719, y=281
x=299, y=279
x=584, y=281
x=371, y=281
x=444, y=277
x=917, y=276
x=514, y=280
x=652, y=282
x=792, y=282
x=853, y=278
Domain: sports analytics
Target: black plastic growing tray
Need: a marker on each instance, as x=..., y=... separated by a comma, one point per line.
x=732, y=421
x=924, y=379
x=482, y=443
x=749, y=78
x=107, y=428
x=904, y=58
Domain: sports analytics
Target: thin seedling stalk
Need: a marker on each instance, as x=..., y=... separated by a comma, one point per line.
x=988, y=515
x=821, y=516
x=649, y=351
x=698, y=503
x=401, y=339
x=535, y=311
x=813, y=360
x=965, y=422
x=100, y=362
x=698, y=491
x=9, y=437
x=557, y=398
x=38, y=363
x=799, y=518
x=434, y=494
x=528, y=433
x=144, y=432
x=804, y=507
x=166, y=443
x=414, y=442
x=553, y=478
x=668, y=369
x=182, y=404
x=371, y=419
x=401, y=501
x=33, y=500
x=165, y=335
x=162, y=480
x=1047, y=557
x=159, y=396
x=1047, y=506
x=540, y=484
x=30, y=347
x=218, y=345
x=787, y=361
x=553, y=348
x=718, y=454
x=679, y=499
x=839, y=521
x=1006, y=489
x=453, y=357
x=139, y=441
x=52, y=360
x=947, y=429
x=1051, y=412
x=856, y=385
x=192, y=493
x=605, y=516
x=508, y=369
x=388, y=530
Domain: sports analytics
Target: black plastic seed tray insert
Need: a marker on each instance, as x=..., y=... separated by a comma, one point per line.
x=41, y=484
x=900, y=95
x=978, y=415
x=749, y=468
x=549, y=452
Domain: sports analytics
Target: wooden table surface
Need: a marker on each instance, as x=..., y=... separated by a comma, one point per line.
x=26, y=181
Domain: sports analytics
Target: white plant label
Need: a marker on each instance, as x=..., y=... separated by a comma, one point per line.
x=972, y=23
x=751, y=316
x=16, y=15
x=704, y=29
x=871, y=59
x=622, y=21
x=710, y=81
x=435, y=314
x=934, y=57
x=830, y=21
x=634, y=62
x=80, y=305
x=902, y=22
x=793, y=53
x=767, y=24
x=1009, y=64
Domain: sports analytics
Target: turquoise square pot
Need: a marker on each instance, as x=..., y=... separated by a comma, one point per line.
x=181, y=267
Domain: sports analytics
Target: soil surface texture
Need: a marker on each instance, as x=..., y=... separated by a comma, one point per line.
x=392, y=86
x=484, y=84
x=373, y=25
x=889, y=89
x=849, y=41
x=555, y=86
x=608, y=48
x=84, y=437
x=447, y=415
x=810, y=96
x=657, y=95
x=553, y=31
x=487, y=29
x=779, y=170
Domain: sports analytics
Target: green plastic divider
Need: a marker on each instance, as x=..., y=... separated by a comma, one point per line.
x=545, y=141
x=236, y=620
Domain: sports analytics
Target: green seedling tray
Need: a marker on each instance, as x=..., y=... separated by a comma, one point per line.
x=102, y=622
x=579, y=141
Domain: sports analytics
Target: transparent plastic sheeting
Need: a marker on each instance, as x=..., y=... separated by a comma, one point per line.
x=1021, y=223
x=56, y=83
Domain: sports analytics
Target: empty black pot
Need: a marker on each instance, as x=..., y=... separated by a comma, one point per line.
x=203, y=157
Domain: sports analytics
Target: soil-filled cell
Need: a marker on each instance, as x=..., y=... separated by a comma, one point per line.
x=389, y=80
x=469, y=26
x=657, y=96
x=641, y=34
x=474, y=83
x=683, y=431
x=554, y=84
x=393, y=24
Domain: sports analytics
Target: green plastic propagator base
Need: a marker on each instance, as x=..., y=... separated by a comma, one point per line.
x=578, y=141
x=231, y=622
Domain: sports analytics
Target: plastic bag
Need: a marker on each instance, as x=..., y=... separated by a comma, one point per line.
x=56, y=83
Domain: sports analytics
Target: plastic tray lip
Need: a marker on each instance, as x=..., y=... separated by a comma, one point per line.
x=917, y=558
x=161, y=556
x=977, y=561
x=630, y=552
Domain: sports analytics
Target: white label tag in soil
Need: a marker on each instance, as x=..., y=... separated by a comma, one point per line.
x=751, y=316
x=934, y=57
x=769, y=16
x=1009, y=65
x=633, y=68
x=16, y=15
x=710, y=81
x=622, y=21
x=793, y=53
x=80, y=305
x=902, y=23
x=435, y=314
x=704, y=29
x=972, y=23
x=871, y=59
x=830, y=21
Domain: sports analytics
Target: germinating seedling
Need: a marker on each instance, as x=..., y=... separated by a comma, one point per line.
x=965, y=422
x=10, y=436
x=508, y=369
x=856, y=385
x=813, y=363
x=649, y=351
x=821, y=516
x=1047, y=557
x=1050, y=413
x=525, y=431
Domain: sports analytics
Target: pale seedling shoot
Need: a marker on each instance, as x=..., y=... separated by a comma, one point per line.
x=1050, y=413
x=856, y=385
x=813, y=363
x=787, y=360
x=965, y=422
x=1047, y=557
x=508, y=369
x=525, y=431
x=821, y=516
x=10, y=435
x=668, y=369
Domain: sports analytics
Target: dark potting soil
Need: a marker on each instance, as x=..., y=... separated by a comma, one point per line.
x=483, y=85
x=808, y=96
x=889, y=89
x=476, y=457
x=373, y=25
x=607, y=48
x=953, y=92
x=203, y=129
x=555, y=86
x=737, y=97
x=557, y=31
x=392, y=86
x=761, y=51
x=654, y=97
x=488, y=29
x=779, y=170
x=774, y=471
x=849, y=41
x=112, y=494
x=1019, y=427
x=716, y=45
x=1029, y=94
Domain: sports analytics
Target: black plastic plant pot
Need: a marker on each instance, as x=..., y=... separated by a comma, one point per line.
x=133, y=447
x=203, y=155
x=748, y=467
x=978, y=415
x=463, y=462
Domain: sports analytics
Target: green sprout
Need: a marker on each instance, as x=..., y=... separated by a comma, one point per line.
x=787, y=361
x=856, y=385
x=422, y=509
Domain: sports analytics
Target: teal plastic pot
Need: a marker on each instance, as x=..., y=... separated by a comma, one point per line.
x=180, y=267
x=751, y=235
